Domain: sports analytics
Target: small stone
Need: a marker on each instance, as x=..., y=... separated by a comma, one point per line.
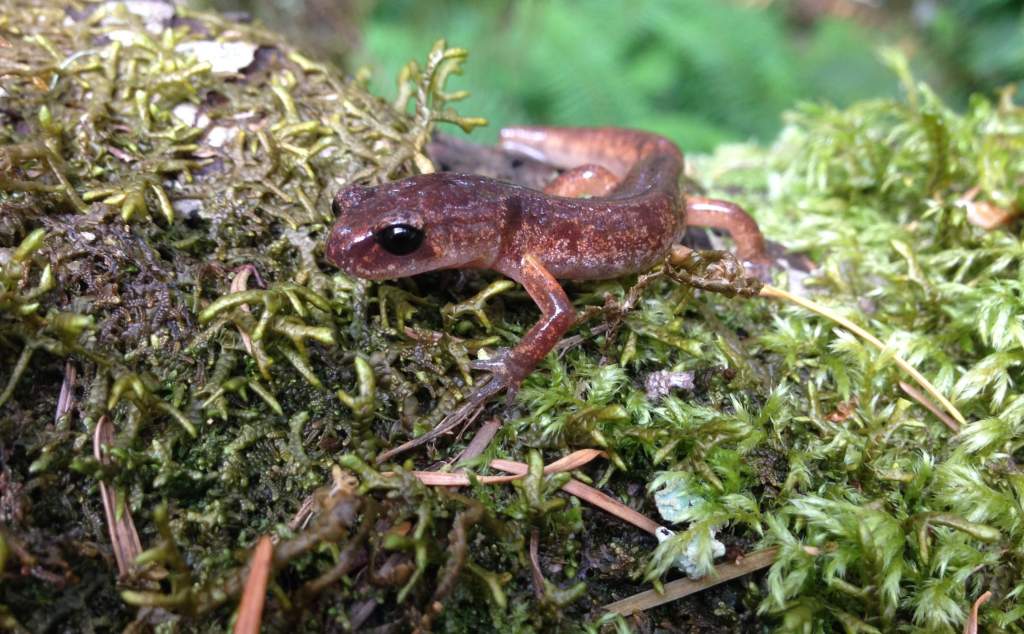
x=659, y=384
x=223, y=57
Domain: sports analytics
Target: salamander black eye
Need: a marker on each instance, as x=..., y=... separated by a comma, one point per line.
x=399, y=239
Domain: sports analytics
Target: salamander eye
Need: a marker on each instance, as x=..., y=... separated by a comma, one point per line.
x=399, y=239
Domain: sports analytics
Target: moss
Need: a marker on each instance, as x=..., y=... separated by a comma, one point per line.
x=879, y=192
x=161, y=262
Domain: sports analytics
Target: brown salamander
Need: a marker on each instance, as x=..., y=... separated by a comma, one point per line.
x=630, y=222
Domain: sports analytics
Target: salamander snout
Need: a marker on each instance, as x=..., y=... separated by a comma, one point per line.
x=351, y=197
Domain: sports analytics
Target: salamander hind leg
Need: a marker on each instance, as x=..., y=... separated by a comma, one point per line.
x=722, y=214
x=586, y=180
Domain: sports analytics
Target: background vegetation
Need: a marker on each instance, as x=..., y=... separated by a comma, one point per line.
x=699, y=71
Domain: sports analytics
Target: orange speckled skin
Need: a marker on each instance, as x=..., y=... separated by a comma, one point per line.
x=475, y=222
x=530, y=236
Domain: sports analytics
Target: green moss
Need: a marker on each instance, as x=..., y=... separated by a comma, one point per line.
x=122, y=228
x=876, y=192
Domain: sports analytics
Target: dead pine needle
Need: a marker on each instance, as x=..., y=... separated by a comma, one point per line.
x=585, y=492
x=814, y=307
x=481, y=440
x=971, y=626
x=571, y=462
x=926, y=403
x=684, y=587
x=250, y=608
x=537, y=574
x=124, y=539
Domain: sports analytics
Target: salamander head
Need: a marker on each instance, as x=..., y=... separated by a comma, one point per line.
x=419, y=224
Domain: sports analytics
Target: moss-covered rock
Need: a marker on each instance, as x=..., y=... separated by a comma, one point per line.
x=165, y=185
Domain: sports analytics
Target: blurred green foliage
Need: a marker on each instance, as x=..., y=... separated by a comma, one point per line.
x=699, y=71
x=980, y=43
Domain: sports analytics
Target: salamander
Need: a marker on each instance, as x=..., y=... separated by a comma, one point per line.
x=616, y=210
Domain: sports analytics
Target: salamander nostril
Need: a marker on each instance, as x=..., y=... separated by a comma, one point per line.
x=399, y=239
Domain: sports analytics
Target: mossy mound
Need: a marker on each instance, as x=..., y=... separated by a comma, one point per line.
x=165, y=185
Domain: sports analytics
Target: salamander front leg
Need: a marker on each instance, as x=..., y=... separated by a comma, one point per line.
x=509, y=367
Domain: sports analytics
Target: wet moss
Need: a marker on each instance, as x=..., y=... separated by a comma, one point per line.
x=165, y=186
